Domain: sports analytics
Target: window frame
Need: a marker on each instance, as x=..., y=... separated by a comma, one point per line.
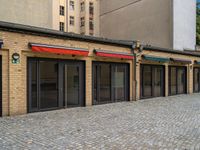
x=62, y=10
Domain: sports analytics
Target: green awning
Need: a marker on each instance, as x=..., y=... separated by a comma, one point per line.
x=154, y=58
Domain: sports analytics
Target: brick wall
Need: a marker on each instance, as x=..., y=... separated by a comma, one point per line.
x=166, y=55
x=15, y=75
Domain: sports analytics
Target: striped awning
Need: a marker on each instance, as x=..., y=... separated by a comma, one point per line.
x=155, y=58
x=58, y=49
x=178, y=60
x=122, y=55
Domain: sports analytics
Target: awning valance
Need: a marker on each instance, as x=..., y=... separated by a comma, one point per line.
x=58, y=49
x=154, y=58
x=186, y=61
x=1, y=43
x=104, y=53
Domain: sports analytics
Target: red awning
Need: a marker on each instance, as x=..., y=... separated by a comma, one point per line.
x=113, y=54
x=58, y=49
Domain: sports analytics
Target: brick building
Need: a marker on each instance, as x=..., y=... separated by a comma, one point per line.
x=45, y=69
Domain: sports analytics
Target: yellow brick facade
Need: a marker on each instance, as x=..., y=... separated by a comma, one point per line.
x=166, y=66
x=15, y=75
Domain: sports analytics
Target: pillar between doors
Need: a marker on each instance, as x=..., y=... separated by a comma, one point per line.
x=88, y=84
x=166, y=80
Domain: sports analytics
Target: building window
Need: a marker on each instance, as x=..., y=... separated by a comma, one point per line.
x=71, y=20
x=62, y=26
x=91, y=8
x=71, y=5
x=62, y=10
x=82, y=21
x=91, y=25
x=82, y=6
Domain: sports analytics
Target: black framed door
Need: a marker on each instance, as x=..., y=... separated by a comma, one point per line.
x=1, y=87
x=110, y=82
x=74, y=84
x=196, y=80
x=54, y=84
x=177, y=80
x=152, y=81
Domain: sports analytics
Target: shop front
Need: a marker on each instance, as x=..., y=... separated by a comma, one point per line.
x=55, y=84
x=110, y=82
x=152, y=81
x=177, y=80
x=196, y=77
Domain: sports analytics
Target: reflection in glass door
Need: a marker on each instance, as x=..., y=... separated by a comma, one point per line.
x=147, y=81
x=119, y=82
x=72, y=85
x=152, y=81
x=104, y=83
x=54, y=84
x=177, y=80
x=196, y=79
x=181, y=80
x=48, y=84
x=158, y=83
x=110, y=82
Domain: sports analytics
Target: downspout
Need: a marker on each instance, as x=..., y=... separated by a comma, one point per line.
x=134, y=84
x=139, y=47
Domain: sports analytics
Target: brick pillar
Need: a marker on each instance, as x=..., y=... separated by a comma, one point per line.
x=166, y=80
x=88, y=82
x=137, y=81
x=190, y=79
x=5, y=102
x=17, y=100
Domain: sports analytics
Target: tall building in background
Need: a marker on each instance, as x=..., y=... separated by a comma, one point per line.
x=77, y=16
x=163, y=23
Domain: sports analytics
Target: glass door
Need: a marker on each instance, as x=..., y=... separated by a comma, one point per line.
x=196, y=80
x=146, y=81
x=119, y=82
x=173, y=84
x=48, y=78
x=110, y=82
x=181, y=81
x=177, y=80
x=158, y=84
x=152, y=81
x=54, y=84
x=73, y=85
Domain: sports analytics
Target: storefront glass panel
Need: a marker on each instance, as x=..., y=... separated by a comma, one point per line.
x=119, y=83
x=177, y=80
x=110, y=82
x=152, y=81
x=196, y=80
x=48, y=84
x=55, y=84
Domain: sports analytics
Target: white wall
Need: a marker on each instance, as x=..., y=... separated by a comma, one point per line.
x=184, y=24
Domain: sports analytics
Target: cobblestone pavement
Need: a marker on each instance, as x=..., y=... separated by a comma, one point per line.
x=160, y=123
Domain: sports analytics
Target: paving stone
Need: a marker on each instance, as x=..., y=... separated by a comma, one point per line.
x=159, y=123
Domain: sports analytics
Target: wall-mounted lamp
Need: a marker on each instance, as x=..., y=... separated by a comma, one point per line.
x=15, y=58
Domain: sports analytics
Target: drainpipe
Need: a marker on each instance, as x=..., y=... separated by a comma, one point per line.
x=133, y=47
x=139, y=47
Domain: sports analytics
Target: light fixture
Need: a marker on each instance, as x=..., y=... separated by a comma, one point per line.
x=15, y=58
